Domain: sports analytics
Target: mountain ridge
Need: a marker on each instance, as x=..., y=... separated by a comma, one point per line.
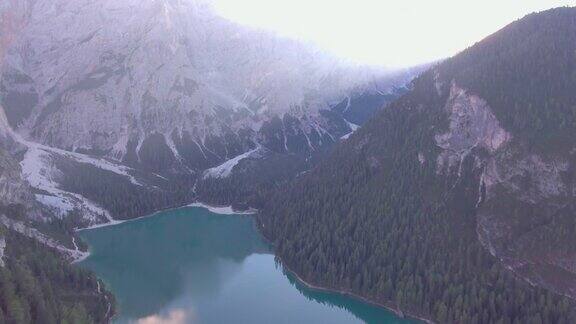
x=445, y=192
x=162, y=91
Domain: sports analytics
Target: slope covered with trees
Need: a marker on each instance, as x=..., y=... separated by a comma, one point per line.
x=527, y=72
x=119, y=196
x=382, y=219
x=37, y=282
x=37, y=286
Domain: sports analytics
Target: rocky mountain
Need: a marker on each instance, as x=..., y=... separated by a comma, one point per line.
x=154, y=93
x=140, y=78
x=455, y=203
x=37, y=281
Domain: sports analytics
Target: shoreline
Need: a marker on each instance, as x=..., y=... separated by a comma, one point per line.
x=221, y=210
x=311, y=286
x=399, y=313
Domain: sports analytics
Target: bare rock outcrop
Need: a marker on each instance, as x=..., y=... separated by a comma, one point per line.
x=472, y=124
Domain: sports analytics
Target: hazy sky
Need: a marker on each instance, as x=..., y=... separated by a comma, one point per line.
x=391, y=33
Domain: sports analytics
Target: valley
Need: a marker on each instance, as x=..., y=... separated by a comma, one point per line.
x=444, y=191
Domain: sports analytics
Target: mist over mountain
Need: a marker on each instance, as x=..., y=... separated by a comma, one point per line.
x=109, y=83
x=169, y=88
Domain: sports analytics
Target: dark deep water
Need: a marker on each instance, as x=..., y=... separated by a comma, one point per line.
x=190, y=265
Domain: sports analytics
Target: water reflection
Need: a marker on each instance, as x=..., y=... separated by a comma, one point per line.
x=156, y=260
x=365, y=312
x=175, y=316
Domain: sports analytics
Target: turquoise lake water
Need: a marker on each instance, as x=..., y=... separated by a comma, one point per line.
x=190, y=265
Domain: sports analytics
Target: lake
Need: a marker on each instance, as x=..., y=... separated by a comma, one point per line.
x=190, y=265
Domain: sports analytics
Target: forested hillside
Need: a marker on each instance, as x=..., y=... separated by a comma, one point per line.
x=37, y=282
x=37, y=286
x=527, y=73
x=428, y=208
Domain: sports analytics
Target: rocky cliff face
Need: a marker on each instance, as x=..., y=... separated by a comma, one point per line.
x=13, y=189
x=126, y=80
x=108, y=101
x=2, y=247
x=472, y=125
x=526, y=215
x=524, y=195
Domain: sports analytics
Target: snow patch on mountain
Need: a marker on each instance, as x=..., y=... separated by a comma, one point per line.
x=222, y=210
x=57, y=205
x=353, y=128
x=39, y=170
x=225, y=169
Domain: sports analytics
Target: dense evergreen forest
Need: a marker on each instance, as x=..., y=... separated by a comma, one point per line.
x=252, y=179
x=122, y=198
x=375, y=219
x=37, y=286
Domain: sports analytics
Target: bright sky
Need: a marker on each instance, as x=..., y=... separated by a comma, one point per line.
x=383, y=32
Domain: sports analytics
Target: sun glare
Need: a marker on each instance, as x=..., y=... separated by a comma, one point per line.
x=380, y=32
